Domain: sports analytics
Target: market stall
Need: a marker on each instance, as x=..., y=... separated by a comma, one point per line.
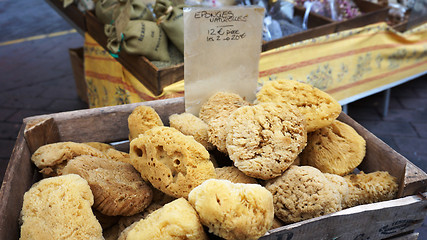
x=138, y=164
x=349, y=65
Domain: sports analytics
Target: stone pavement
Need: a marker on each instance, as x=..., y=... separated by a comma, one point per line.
x=36, y=78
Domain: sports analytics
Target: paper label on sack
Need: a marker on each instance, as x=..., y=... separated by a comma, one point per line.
x=222, y=47
x=67, y=3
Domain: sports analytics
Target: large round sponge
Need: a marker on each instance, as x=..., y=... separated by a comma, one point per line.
x=233, y=210
x=302, y=193
x=265, y=139
x=318, y=107
x=336, y=149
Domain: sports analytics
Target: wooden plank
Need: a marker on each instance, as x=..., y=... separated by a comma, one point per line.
x=17, y=180
x=106, y=124
x=39, y=132
x=371, y=221
x=409, y=236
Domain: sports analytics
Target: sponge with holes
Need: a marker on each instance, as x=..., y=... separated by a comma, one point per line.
x=171, y=161
x=233, y=210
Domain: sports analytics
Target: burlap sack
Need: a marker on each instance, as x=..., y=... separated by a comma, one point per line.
x=108, y=10
x=171, y=20
x=139, y=37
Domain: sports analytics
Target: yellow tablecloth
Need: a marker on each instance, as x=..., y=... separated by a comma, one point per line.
x=350, y=62
x=343, y=64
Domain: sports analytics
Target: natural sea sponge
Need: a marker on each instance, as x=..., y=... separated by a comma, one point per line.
x=372, y=187
x=191, y=125
x=117, y=187
x=318, y=107
x=303, y=192
x=141, y=119
x=117, y=155
x=215, y=112
x=59, y=208
x=221, y=104
x=51, y=158
x=264, y=140
x=109, y=151
x=340, y=184
x=103, y=147
x=217, y=133
x=234, y=175
x=171, y=161
x=233, y=210
x=336, y=149
x=175, y=220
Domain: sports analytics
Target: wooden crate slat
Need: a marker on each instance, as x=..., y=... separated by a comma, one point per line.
x=19, y=177
x=371, y=221
x=106, y=124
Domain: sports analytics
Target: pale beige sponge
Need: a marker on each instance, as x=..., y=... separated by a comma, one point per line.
x=103, y=147
x=234, y=175
x=372, y=187
x=141, y=119
x=217, y=133
x=175, y=220
x=265, y=139
x=171, y=161
x=215, y=112
x=221, y=104
x=117, y=187
x=336, y=149
x=303, y=192
x=233, y=210
x=318, y=107
x=51, y=158
x=191, y=125
x=110, y=151
x=59, y=208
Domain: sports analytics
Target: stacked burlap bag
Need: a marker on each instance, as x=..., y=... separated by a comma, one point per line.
x=171, y=20
x=130, y=26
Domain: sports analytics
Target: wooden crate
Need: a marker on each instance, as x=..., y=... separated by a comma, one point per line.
x=152, y=77
x=71, y=14
x=371, y=13
x=109, y=124
x=77, y=64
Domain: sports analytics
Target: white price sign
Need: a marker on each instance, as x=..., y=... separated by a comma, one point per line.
x=222, y=47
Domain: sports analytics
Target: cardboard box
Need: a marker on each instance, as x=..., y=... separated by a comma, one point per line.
x=109, y=124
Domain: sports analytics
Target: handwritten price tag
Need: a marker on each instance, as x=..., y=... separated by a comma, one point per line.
x=222, y=47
